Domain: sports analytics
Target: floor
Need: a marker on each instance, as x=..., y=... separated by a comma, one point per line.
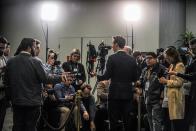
x=8, y=120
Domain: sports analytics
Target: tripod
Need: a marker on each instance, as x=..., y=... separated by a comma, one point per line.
x=99, y=69
x=91, y=58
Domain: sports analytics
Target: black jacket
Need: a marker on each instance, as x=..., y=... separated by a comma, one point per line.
x=77, y=69
x=122, y=70
x=24, y=78
x=190, y=75
x=153, y=94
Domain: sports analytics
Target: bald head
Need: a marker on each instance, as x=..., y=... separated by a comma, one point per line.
x=128, y=50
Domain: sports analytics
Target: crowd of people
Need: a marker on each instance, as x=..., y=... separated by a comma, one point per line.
x=50, y=96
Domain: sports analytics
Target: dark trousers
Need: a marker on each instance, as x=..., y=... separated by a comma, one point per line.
x=25, y=117
x=3, y=106
x=120, y=110
x=187, y=122
x=166, y=120
x=191, y=114
x=100, y=116
x=177, y=125
x=85, y=125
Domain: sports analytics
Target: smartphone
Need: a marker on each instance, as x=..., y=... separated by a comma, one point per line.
x=185, y=49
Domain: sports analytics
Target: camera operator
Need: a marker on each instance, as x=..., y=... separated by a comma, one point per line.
x=120, y=68
x=24, y=85
x=102, y=52
x=75, y=68
x=3, y=100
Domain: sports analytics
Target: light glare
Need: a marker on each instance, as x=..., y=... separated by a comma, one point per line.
x=49, y=12
x=132, y=12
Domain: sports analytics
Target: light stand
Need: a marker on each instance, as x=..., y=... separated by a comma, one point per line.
x=131, y=14
x=49, y=13
x=47, y=41
x=127, y=34
x=132, y=44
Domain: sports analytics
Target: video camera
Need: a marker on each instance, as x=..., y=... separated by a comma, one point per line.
x=57, y=63
x=103, y=49
x=50, y=91
x=75, y=77
x=92, y=54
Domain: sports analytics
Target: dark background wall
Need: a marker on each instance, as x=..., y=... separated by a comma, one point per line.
x=172, y=21
x=191, y=16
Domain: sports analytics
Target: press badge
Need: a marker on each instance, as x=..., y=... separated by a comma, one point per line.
x=147, y=85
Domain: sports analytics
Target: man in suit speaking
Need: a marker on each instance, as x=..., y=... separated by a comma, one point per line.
x=121, y=70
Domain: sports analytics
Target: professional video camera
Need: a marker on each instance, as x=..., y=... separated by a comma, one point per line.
x=102, y=52
x=103, y=49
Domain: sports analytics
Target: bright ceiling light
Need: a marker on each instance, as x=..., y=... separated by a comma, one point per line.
x=49, y=11
x=132, y=12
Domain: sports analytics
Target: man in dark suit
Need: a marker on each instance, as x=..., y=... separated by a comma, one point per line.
x=24, y=77
x=121, y=69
